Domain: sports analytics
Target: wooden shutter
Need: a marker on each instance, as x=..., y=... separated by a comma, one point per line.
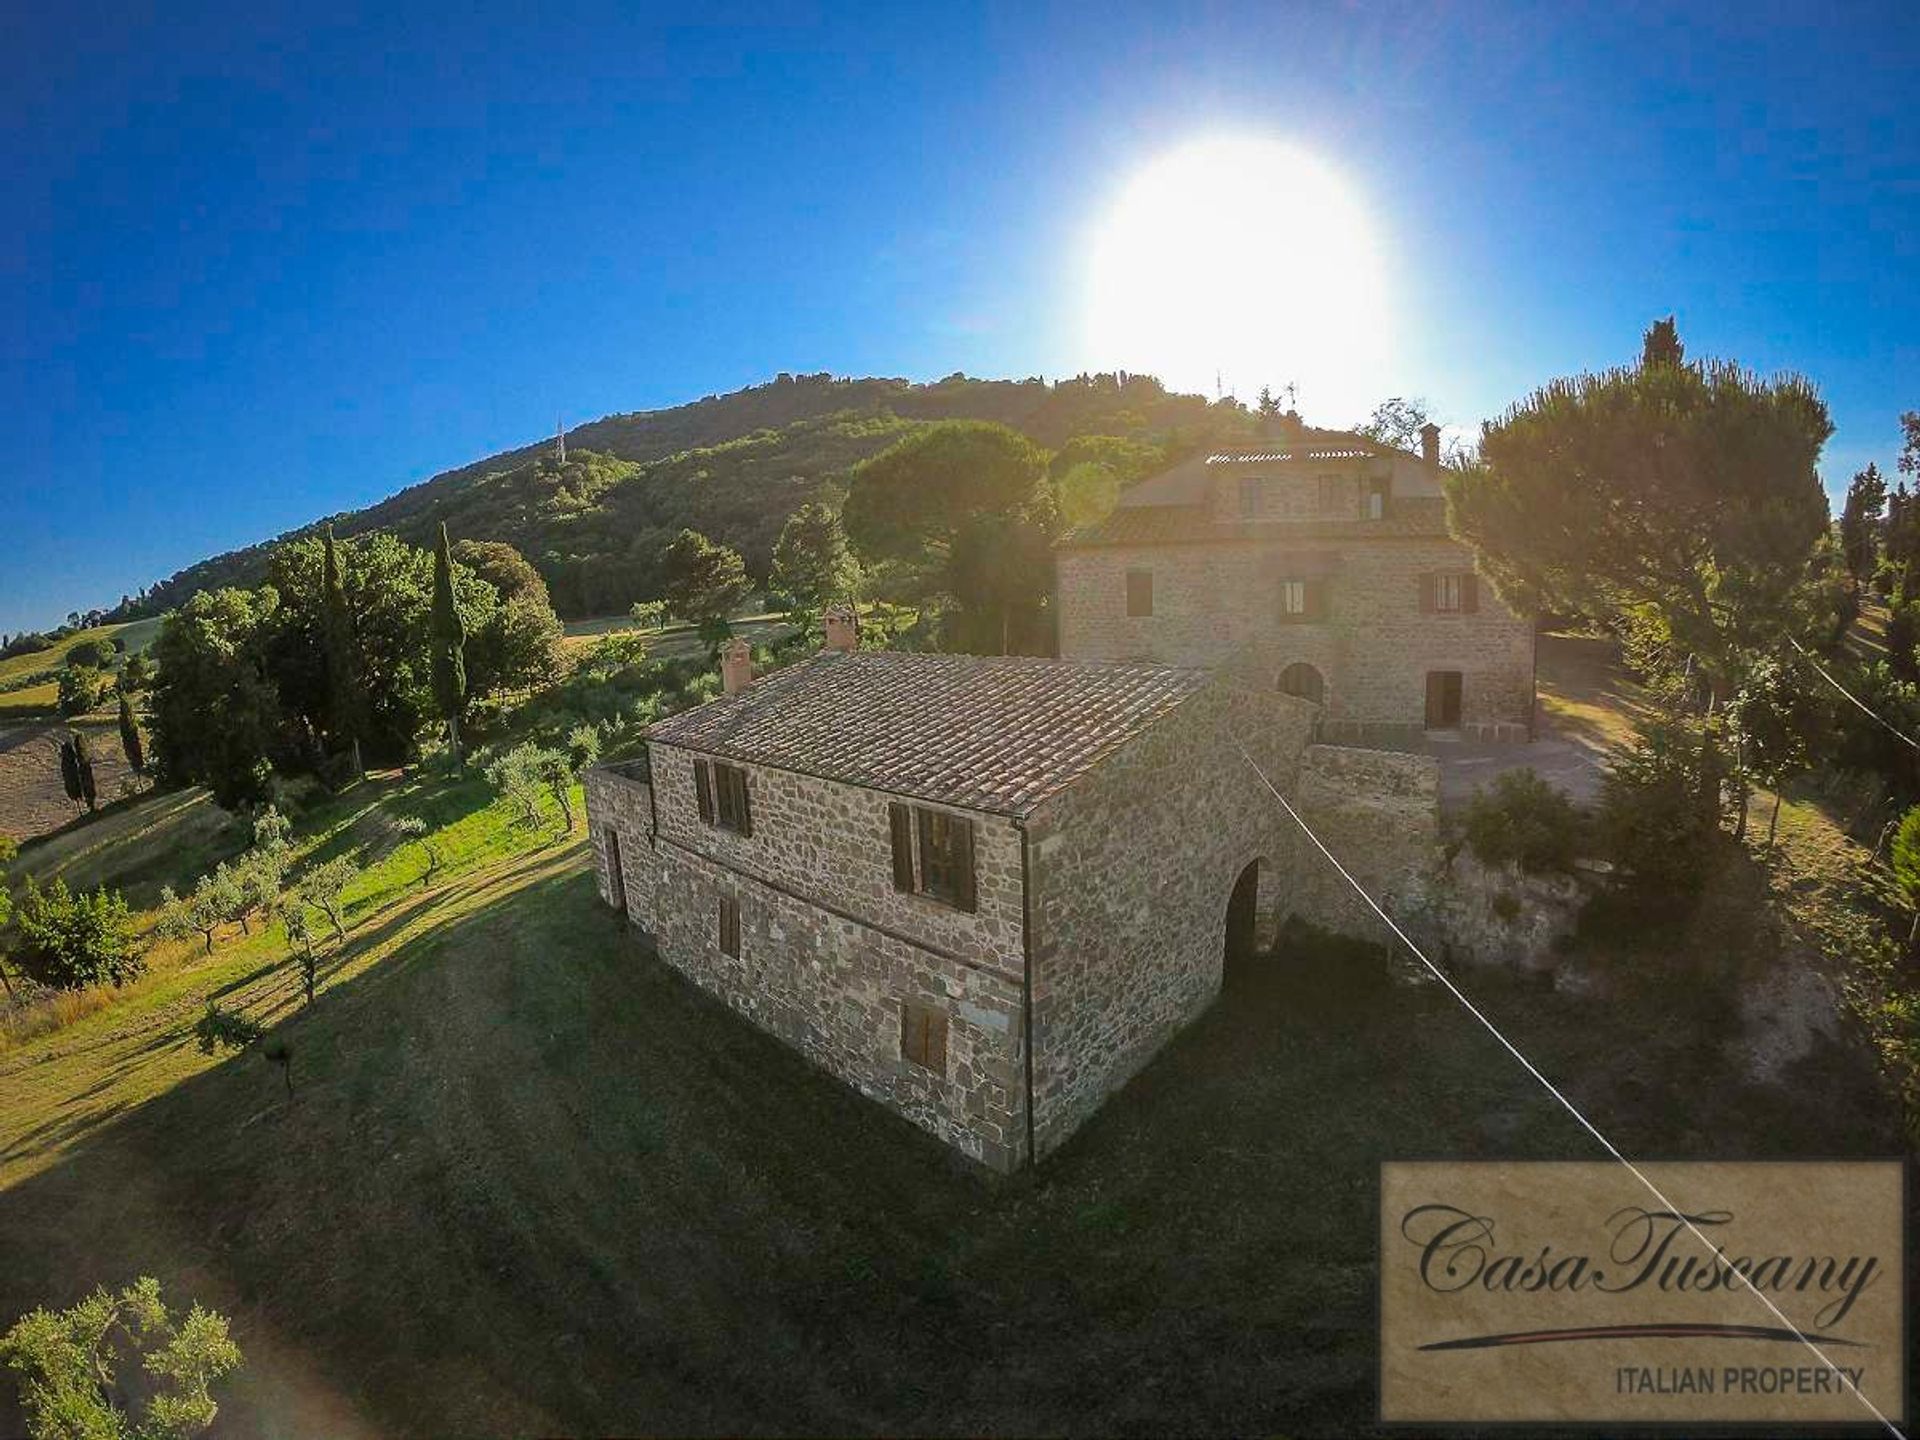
x=743, y=813
x=1139, y=592
x=1469, y=594
x=703, y=789
x=1316, y=599
x=965, y=895
x=730, y=926
x=1427, y=602
x=900, y=822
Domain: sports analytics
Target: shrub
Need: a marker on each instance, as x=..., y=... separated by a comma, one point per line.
x=69, y=941
x=1660, y=804
x=90, y=655
x=1522, y=820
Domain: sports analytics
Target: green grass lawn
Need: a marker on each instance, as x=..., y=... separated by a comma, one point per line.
x=531, y=1181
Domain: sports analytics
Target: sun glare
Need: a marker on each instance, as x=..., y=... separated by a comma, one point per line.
x=1247, y=260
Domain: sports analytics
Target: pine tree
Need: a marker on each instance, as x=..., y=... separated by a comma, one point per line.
x=346, y=708
x=449, y=644
x=130, y=736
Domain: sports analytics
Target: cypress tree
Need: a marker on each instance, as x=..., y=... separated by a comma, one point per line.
x=70, y=769
x=83, y=767
x=449, y=644
x=345, y=710
x=130, y=736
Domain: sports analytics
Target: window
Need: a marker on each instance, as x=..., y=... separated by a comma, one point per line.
x=1451, y=592
x=933, y=854
x=1139, y=592
x=1377, y=499
x=729, y=926
x=923, y=1037
x=1332, y=494
x=1302, y=600
x=1249, y=497
x=721, y=791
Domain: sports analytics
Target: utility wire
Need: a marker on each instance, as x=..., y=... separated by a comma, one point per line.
x=1553, y=1090
x=1860, y=704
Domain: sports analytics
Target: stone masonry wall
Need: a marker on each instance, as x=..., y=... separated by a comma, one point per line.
x=830, y=952
x=1132, y=868
x=1379, y=813
x=1218, y=604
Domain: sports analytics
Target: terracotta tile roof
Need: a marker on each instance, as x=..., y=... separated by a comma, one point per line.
x=1408, y=517
x=992, y=733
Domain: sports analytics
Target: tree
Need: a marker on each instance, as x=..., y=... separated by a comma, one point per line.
x=517, y=647
x=136, y=674
x=83, y=767
x=1906, y=870
x=963, y=509
x=505, y=569
x=1689, y=489
x=1661, y=345
x=1396, y=422
x=68, y=1362
x=80, y=690
x=346, y=709
x=811, y=565
x=1266, y=407
x=9, y=847
x=557, y=769
x=700, y=580
x=68, y=941
x=412, y=827
x=323, y=886
x=1660, y=804
x=448, y=645
x=520, y=775
x=221, y=1029
x=1772, y=716
x=299, y=932
x=1860, y=521
x=216, y=715
x=70, y=769
x=130, y=736
x=201, y=912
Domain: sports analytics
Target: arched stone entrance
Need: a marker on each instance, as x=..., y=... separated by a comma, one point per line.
x=1243, y=918
x=1303, y=681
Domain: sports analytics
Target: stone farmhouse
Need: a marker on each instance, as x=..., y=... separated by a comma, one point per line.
x=981, y=890
x=984, y=890
x=1319, y=562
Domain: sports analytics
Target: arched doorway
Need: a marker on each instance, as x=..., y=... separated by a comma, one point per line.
x=1242, y=917
x=1302, y=680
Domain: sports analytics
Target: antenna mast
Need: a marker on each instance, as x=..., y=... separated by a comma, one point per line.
x=560, y=440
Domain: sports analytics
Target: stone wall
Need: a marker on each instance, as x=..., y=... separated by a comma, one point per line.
x=1218, y=604
x=1132, y=868
x=829, y=951
x=1379, y=813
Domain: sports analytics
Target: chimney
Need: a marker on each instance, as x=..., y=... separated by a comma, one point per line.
x=842, y=627
x=1430, y=445
x=736, y=666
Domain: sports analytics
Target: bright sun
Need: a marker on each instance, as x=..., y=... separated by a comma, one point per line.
x=1247, y=259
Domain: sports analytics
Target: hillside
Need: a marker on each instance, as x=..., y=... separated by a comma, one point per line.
x=734, y=466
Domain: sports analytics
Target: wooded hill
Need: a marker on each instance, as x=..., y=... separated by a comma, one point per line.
x=731, y=466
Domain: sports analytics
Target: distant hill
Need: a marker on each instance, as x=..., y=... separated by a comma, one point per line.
x=733, y=466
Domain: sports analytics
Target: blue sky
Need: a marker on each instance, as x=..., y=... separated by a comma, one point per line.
x=263, y=267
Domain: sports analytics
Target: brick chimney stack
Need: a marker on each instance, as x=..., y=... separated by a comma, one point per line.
x=1430, y=445
x=736, y=666
x=842, y=627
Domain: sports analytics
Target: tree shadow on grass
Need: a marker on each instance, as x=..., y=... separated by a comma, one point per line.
x=532, y=1180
